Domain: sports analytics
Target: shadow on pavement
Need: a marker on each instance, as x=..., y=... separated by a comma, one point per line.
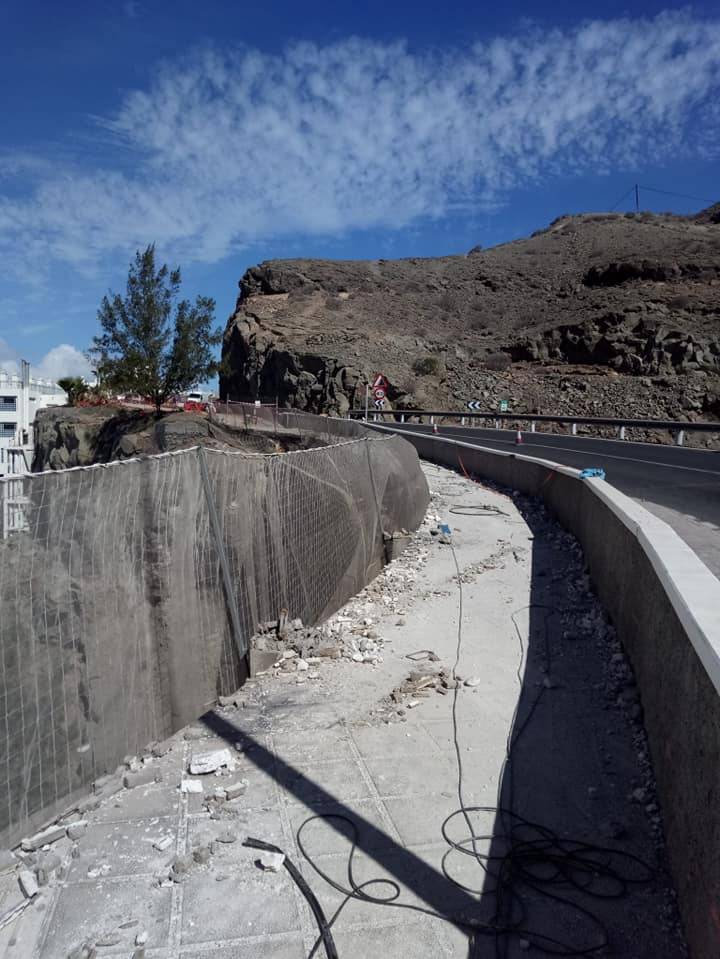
x=431, y=887
x=573, y=865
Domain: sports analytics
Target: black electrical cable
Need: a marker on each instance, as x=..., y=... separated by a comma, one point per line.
x=325, y=934
x=480, y=510
x=535, y=857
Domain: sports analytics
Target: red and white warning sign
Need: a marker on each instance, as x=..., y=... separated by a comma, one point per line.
x=379, y=388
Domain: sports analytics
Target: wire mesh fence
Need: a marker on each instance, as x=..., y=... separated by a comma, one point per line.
x=115, y=627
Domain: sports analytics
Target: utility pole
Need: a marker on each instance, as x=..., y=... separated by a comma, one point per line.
x=637, y=198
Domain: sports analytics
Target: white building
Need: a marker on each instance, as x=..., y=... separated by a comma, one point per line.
x=20, y=399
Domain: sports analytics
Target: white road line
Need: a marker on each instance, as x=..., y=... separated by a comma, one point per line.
x=567, y=449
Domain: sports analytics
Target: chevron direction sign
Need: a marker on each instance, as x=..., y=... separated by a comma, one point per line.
x=474, y=405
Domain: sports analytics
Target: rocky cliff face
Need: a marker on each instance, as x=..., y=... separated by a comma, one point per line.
x=82, y=436
x=596, y=314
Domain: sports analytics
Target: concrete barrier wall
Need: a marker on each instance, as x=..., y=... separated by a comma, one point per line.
x=665, y=604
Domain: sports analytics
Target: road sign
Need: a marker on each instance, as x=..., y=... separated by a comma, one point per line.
x=380, y=383
x=379, y=403
x=474, y=405
x=503, y=406
x=379, y=393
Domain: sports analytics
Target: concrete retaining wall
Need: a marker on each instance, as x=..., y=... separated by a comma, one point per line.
x=665, y=605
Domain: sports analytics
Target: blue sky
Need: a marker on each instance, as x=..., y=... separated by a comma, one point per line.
x=229, y=133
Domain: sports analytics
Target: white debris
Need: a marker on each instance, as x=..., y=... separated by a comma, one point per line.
x=77, y=829
x=96, y=872
x=473, y=681
x=191, y=786
x=203, y=763
x=163, y=843
x=40, y=839
x=28, y=883
x=272, y=861
x=302, y=665
x=234, y=790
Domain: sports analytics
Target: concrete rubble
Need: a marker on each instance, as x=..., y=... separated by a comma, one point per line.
x=355, y=717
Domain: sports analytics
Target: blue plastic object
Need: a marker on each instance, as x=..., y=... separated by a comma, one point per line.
x=445, y=529
x=592, y=471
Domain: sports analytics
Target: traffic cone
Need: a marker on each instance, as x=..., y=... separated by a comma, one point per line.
x=518, y=438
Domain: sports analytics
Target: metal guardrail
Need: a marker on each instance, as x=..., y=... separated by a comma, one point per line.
x=678, y=427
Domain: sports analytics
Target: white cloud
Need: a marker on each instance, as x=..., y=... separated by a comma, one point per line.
x=62, y=360
x=227, y=148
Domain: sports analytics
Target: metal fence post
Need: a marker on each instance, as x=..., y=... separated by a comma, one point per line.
x=216, y=528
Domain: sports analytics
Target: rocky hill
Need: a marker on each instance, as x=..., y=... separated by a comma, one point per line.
x=597, y=314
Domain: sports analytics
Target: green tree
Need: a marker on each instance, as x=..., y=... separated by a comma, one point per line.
x=74, y=386
x=152, y=342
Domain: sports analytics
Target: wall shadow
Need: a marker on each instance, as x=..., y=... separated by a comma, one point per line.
x=573, y=864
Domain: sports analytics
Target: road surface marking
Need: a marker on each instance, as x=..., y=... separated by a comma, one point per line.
x=612, y=456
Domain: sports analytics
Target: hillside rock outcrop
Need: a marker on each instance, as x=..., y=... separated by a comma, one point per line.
x=604, y=299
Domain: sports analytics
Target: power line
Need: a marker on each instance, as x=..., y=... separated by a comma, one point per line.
x=626, y=193
x=685, y=196
x=636, y=187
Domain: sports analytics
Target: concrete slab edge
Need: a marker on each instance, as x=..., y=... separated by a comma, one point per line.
x=691, y=587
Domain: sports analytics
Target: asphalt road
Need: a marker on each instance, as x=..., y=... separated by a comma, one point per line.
x=681, y=486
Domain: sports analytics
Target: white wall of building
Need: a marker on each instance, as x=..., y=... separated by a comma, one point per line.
x=20, y=399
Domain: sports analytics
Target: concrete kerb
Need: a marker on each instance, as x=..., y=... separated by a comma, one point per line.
x=665, y=605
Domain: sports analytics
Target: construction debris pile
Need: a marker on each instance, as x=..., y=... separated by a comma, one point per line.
x=354, y=632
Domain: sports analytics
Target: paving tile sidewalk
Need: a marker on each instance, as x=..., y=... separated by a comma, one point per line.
x=339, y=746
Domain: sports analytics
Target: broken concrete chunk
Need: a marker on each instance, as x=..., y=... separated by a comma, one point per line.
x=473, y=681
x=193, y=733
x=203, y=763
x=191, y=786
x=144, y=777
x=76, y=829
x=163, y=843
x=141, y=938
x=234, y=790
x=40, y=839
x=226, y=836
x=302, y=665
x=108, y=939
x=28, y=883
x=272, y=861
x=330, y=652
